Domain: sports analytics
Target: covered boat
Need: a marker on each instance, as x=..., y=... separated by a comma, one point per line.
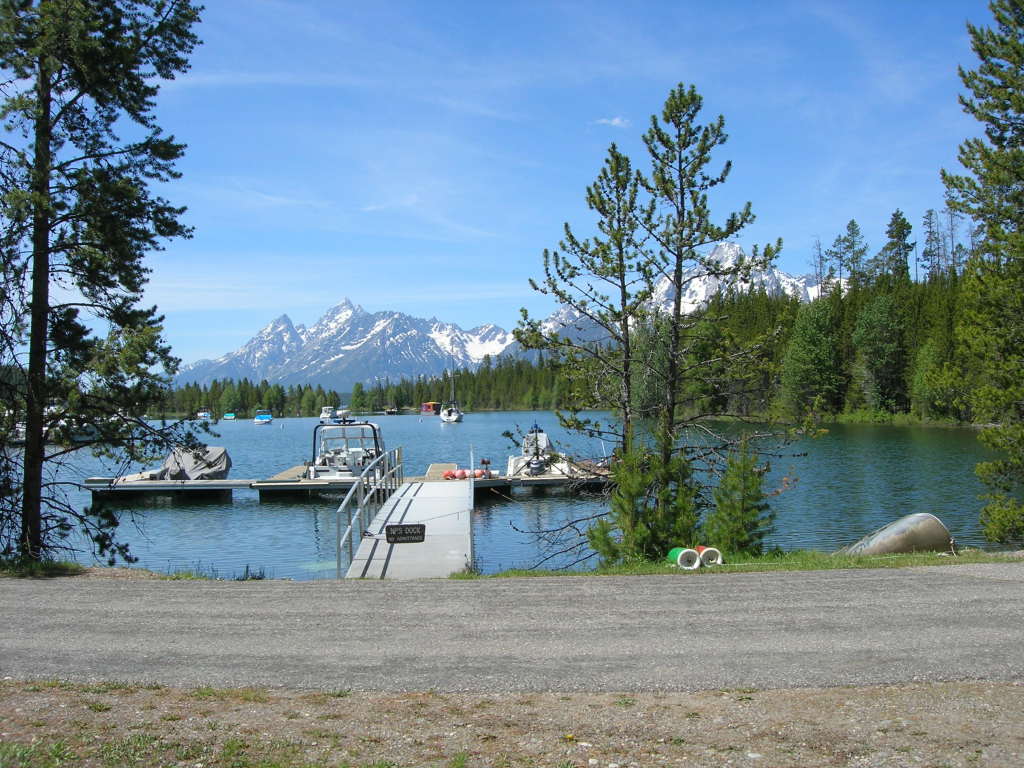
x=919, y=532
x=209, y=463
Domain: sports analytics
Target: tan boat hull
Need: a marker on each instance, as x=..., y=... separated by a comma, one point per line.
x=920, y=532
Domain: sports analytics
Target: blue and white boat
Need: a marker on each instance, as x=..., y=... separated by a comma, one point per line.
x=262, y=416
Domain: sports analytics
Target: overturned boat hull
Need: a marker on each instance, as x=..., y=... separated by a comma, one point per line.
x=919, y=532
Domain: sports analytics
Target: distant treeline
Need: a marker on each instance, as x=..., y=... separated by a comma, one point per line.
x=502, y=384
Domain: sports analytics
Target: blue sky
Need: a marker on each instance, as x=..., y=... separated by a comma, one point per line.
x=420, y=156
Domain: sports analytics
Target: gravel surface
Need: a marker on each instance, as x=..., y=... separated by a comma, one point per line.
x=913, y=667
x=940, y=724
x=570, y=634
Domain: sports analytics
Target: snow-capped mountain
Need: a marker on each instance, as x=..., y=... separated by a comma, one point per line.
x=700, y=284
x=349, y=344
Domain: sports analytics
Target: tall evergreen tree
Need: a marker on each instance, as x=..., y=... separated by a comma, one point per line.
x=605, y=279
x=812, y=368
x=892, y=264
x=78, y=218
x=992, y=193
x=933, y=253
x=878, y=337
x=742, y=517
x=678, y=220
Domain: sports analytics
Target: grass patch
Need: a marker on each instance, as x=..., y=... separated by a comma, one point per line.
x=39, y=569
x=201, y=572
x=799, y=560
x=250, y=695
x=105, y=687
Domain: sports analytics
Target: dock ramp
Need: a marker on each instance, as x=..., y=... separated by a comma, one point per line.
x=444, y=508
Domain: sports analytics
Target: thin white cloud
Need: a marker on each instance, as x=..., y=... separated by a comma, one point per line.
x=406, y=201
x=614, y=122
x=474, y=108
x=236, y=79
x=247, y=194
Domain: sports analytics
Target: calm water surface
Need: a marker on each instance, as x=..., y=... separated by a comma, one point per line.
x=842, y=485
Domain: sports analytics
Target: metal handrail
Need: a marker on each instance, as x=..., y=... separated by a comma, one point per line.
x=373, y=487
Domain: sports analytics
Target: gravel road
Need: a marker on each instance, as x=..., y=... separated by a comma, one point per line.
x=586, y=634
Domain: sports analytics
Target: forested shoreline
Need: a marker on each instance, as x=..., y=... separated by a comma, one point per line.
x=877, y=344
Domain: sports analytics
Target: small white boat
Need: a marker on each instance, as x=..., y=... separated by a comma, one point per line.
x=538, y=457
x=203, y=414
x=329, y=413
x=451, y=413
x=262, y=416
x=18, y=433
x=343, y=449
x=229, y=416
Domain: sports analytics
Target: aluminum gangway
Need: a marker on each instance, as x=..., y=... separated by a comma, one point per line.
x=383, y=498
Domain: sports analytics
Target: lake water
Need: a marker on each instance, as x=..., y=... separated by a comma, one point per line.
x=847, y=483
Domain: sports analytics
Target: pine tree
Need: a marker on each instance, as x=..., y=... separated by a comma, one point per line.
x=878, y=337
x=78, y=211
x=933, y=252
x=811, y=368
x=678, y=220
x=605, y=279
x=992, y=193
x=892, y=264
x=741, y=518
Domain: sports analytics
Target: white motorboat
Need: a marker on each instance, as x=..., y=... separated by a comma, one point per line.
x=344, y=448
x=204, y=414
x=538, y=457
x=262, y=417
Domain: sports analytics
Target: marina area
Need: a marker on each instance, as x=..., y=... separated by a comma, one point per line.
x=840, y=487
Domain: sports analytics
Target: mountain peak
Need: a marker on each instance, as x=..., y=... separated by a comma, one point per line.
x=348, y=344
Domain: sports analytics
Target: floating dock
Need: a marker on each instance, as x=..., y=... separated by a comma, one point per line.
x=107, y=486
x=294, y=482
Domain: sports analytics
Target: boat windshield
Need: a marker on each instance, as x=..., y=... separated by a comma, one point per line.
x=354, y=439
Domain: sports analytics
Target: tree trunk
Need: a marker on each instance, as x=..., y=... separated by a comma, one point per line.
x=35, y=415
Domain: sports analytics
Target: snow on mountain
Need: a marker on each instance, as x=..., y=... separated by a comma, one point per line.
x=348, y=344
x=700, y=284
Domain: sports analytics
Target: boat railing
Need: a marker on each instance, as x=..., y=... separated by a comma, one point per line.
x=378, y=480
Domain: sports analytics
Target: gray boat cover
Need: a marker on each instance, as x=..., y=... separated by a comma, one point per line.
x=212, y=463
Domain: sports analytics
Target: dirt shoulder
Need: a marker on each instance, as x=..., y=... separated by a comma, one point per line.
x=939, y=724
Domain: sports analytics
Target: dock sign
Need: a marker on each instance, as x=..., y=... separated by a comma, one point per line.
x=408, y=533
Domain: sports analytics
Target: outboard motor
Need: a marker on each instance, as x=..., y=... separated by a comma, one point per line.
x=536, y=446
x=536, y=466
